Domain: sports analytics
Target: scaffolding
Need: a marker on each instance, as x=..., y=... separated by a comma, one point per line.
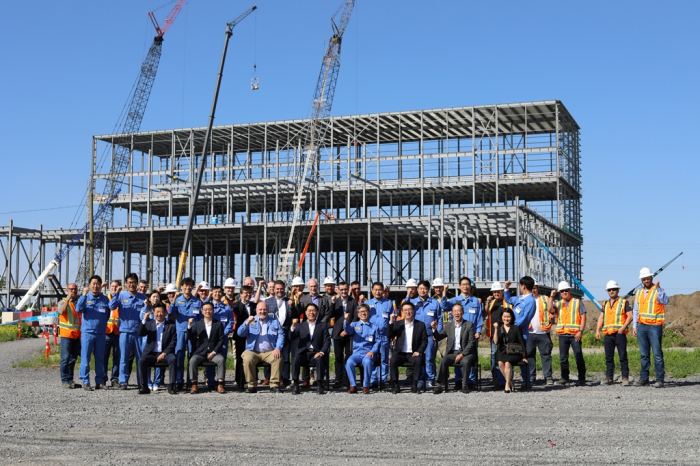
x=420, y=194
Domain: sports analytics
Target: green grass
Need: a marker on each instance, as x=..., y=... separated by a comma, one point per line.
x=671, y=339
x=9, y=332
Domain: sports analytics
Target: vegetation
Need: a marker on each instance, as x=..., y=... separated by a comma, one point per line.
x=9, y=332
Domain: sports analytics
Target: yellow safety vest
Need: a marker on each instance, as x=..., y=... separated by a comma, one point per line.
x=650, y=311
x=569, y=321
x=545, y=324
x=614, y=317
x=69, y=323
x=487, y=322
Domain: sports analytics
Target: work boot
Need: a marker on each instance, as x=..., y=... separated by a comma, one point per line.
x=465, y=390
x=115, y=384
x=608, y=381
x=87, y=387
x=562, y=381
x=194, y=390
x=123, y=387
x=66, y=385
x=220, y=388
x=275, y=389
x=252, y=389
x=625, y=382
x=100, y=386
x=659, y=384
x=144, y=391
x=550, y=381
x=438, y=389
x=171, y=389
x=641, y=383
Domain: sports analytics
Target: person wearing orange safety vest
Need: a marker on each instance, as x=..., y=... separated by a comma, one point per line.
x=613, y=322
x=648, y=326
x=492, y=313
x=571, y=321
x=540, y=339
x=69, y=322
x=112, y=337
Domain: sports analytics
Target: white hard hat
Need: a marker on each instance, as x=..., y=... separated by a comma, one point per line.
x=297, y=281
x=645, y=272
x=438, y=282
x=537, y=283
x=229, y=282
x=496, y=286
x=411, y=283
x=328, y=281
x=563, y=286
x=204, y=286
x=612, y=284
x=170, y=288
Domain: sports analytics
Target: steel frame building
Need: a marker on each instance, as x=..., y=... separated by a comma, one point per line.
x=431, y=193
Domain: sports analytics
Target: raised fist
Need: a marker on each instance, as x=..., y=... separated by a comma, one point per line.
x=249, y=320
x=553, y=294
x=507, y=284
x=433, y=324
x=190, y=321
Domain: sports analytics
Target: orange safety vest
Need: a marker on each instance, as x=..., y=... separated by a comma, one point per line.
x=614, y=317
x=487, y=322
x=545, y=324
x=650, y=311
x=228, y=302
x=569, y=321
x=69, y=323
x=113, y=321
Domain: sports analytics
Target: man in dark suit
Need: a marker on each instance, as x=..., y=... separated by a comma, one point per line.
x=323, y=303
x=161, y=339
x=411, y=342
x=460, y=349
x=207, y=337
x=312, y=343
x=242, y=309
x=282, y=308
x=342, y=342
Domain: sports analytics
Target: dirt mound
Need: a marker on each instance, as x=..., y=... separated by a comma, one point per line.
x=682, y=315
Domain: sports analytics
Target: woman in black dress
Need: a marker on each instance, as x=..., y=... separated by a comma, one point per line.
x=504, y=336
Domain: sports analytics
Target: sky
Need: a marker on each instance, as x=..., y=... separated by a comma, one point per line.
x=626, y=70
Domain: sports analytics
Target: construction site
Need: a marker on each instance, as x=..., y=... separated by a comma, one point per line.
x=479, y=191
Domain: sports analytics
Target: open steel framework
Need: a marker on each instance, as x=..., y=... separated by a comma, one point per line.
x=419, y=194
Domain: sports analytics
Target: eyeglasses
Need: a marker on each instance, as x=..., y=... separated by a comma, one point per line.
x=565, y=291
x=611, y=290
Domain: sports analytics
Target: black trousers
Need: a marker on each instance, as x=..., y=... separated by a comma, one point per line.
x=240, y=373
x=398, y=359
x=566, y=342
x=449, y=359
x=611, y=342
x=306, y=359
x=150, y=359
x=342, y=348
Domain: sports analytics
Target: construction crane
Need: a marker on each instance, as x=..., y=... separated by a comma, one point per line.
x=200, y=172
x=661, y=269
x=120, y=160
x=316, y=132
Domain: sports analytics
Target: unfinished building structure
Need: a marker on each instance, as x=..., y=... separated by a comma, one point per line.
x=418, y=194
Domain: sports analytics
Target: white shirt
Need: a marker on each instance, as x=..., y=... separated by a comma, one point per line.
x=281, y=311
x=312, y=328
x=246, y=306
x=535, y=322
x=207, y=326
x=408, y=338
x=159, y=336
x=458, y=338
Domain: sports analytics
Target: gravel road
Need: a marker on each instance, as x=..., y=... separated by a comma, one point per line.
x=44, y=424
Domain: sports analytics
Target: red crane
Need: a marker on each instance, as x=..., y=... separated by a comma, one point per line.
x=169, y=20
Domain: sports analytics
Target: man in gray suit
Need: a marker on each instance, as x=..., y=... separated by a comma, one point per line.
x=323, y=303
x=460, y=349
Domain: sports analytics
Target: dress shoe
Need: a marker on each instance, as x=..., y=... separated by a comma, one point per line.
x=458, y=385
x=296, y=390
x=305, y=385
x=374, y=386
x=365, y=391
x=171, y=389
x=266, y=382
x=396, y=389
x=252, y=390
x=220, y=388
x=144, y=391
x=414, y=389
x=437, y=390
x=472, y=386
x=352, y=390
x=275, y=389
x=194, y=390
x=465, y=390
x=337, y=384
x=180, y=387
x=321, y=390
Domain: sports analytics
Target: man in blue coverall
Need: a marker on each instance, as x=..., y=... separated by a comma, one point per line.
x=129, y=303
x=183, y=309
x=380, y=308
x=224, y=314
x=524, y=307
x=428, y=310
x=365, y=344
x=472, y=313
x=94, y=306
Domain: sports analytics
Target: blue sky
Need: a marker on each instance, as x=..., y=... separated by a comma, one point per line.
x=627, y=71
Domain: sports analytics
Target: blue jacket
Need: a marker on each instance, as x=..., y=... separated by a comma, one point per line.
x=524, y=308
x=129, y=310
x=472, y=310
x=184, y=309
x=428, y=311
x=224, y=314
x=95, y=311
x=379, y=312
x=365, y=337
x=275, y=333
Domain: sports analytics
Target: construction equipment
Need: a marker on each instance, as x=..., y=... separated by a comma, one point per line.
x=46, y=274
x=200, y=172
x=316, y=132
x=120, y=160
x=661, y=269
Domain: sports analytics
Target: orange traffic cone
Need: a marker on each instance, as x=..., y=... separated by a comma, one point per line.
x=55, y=336
x=19, y=329
x=48, y=347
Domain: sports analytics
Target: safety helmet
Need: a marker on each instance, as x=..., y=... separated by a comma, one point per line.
x=496, y=286
x=612, y=284
x=170, y=288
x=438, y=282
x=537, y=283
x=328, y=281
x=229, y=282
x=645, y=272
x=297, y=281
x=563, y=285
x=411, y=283
x=204, y=286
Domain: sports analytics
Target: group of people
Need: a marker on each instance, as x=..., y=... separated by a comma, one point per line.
x=289, y=334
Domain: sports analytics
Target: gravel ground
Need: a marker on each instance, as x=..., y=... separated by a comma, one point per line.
x=44, y=424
